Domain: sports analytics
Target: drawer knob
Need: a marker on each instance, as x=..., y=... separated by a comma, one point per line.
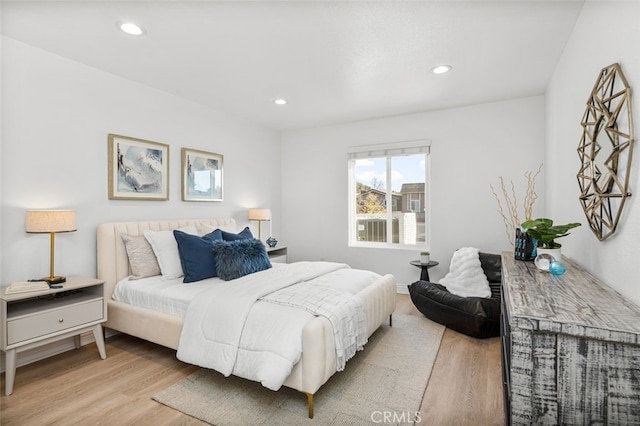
x=60, y=319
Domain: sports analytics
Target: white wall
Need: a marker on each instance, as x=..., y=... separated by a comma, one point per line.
x=605, y=32
x=56, y=116
x=471, y=147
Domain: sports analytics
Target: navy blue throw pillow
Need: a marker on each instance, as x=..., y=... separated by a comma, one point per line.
x=196, y=256
x=245, y=234
x=235, y=259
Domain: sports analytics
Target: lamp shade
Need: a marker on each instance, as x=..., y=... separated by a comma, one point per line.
x=47, y=221
x=259, y=214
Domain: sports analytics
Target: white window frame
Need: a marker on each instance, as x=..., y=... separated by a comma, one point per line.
x=389, y=150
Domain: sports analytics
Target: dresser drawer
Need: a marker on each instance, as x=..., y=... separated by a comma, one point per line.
x=51, y=321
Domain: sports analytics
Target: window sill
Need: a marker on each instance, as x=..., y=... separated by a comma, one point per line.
x=389, y=246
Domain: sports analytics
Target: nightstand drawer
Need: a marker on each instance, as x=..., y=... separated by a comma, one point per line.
x=278, y=259
x=50, y=321
x=277, y=254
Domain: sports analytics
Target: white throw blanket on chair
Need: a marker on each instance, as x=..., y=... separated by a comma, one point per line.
x=466, y=277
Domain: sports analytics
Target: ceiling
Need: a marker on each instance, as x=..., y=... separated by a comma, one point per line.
x=334, y=62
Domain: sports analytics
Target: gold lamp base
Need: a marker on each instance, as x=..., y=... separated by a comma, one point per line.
x=55, y=280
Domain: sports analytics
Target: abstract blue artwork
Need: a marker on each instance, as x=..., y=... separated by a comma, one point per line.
x=139, y=169
x=201, y=175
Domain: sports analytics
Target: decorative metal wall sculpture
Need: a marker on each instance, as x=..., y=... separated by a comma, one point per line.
x=605, y=150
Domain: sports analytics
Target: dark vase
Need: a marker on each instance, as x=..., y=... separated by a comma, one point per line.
x=525, y=246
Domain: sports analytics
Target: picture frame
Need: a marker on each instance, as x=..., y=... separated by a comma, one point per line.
x=202, y=175
x=138, y=169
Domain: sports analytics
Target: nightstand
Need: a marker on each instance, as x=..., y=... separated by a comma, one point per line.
x=36, y=318
x=277, y=254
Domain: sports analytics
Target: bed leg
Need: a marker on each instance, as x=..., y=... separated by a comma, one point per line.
x=391, y=320
x=310, y=403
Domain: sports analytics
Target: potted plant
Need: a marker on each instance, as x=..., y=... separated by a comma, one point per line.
x=424, y=257
x=545, y=233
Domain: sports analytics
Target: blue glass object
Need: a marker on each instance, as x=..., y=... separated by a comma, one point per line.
x=557, y=268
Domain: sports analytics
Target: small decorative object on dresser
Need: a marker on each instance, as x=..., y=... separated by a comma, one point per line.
x=272, y=242
x=32, y=319
x=557, y=267
x=525, y=246
x=543, y=261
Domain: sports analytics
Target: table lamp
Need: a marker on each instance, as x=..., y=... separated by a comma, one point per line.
x=51, y=222
x=261, y=215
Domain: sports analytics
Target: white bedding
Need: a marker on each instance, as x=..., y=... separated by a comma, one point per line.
x=269, y=351
x=167, y=296
x=222, y=326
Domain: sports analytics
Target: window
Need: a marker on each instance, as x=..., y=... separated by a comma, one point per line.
x=388, y=203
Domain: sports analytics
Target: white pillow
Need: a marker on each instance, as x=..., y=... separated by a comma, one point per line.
x=466, y=277
x=165, y=247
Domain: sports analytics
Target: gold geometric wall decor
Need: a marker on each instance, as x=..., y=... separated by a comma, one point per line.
x=605, y=150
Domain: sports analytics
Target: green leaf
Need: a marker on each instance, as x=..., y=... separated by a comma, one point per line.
x=543, y=230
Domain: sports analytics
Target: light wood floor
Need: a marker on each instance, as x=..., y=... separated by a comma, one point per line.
x=78, y=388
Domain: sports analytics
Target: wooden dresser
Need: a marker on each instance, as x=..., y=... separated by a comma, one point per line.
x=571, y=348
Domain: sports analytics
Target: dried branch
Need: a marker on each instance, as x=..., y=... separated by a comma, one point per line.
x=531, y=196
x=507, y=223
x=509, y=211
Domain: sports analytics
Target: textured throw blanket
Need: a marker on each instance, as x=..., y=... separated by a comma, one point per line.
x=466, y=277
x=344, y=311
x=224, y=328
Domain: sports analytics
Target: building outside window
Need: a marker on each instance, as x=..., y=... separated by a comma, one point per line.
x=386, y=175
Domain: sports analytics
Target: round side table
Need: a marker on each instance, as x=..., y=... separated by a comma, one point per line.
x=424, y=274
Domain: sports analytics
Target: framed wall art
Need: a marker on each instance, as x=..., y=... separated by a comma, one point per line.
x=201, y=175
x=138, y=169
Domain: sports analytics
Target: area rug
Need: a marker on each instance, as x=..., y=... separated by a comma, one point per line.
x=384, y=383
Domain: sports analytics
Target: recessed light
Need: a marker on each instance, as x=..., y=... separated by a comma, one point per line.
x=441, y=69
x=131, y=28
x=280, y=101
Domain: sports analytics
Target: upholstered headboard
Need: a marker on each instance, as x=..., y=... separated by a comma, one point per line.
x=112, y=261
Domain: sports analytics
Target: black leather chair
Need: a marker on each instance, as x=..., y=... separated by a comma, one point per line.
x=473, y=316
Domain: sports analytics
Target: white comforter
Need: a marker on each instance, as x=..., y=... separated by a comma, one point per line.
x=225, y=328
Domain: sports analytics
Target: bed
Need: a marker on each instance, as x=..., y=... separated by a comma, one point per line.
x=317, y=362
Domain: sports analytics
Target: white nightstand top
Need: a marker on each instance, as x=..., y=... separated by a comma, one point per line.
x=73, y=282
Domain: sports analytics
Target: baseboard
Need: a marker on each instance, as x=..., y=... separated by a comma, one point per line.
x=45, y=351
x=402, y=289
